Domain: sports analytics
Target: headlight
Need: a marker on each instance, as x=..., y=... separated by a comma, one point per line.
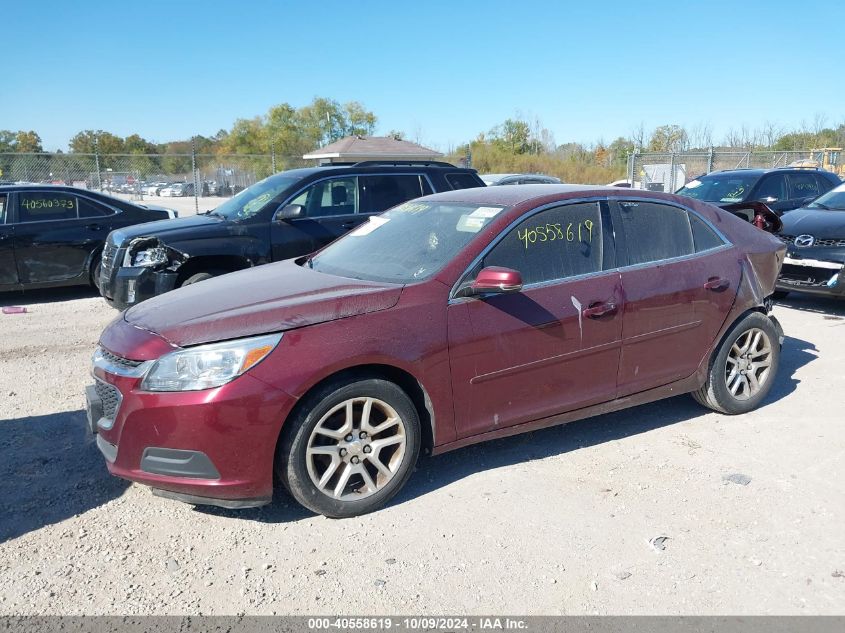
x=208, y=366
x=150, y=257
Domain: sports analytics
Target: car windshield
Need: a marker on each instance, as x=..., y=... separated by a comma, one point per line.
x=719, y=188
x=409, y=243
x=252, y=199
x=833, y=199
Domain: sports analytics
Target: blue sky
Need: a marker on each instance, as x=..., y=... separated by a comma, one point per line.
x=439, y=70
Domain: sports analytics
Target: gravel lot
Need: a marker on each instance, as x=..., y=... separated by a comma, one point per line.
x=183, y=206
x=554, y=522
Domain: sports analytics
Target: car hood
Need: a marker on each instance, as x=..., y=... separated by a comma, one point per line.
x=816, y=222
x=190, y=227
x=270, y=298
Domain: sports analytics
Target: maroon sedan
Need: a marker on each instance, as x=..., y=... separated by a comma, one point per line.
x=449, y=320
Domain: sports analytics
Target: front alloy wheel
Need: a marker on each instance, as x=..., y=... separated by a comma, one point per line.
x=356, y=449
x=349, y=447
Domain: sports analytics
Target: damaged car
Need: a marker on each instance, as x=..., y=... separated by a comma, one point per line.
x=449, y=320
x=286, y=215
x=815, y=240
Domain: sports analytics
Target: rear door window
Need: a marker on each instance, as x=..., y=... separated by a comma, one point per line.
x=703, y=237
x=90, y=209
x=804, y=185
x=772, y=188
x=654, y=231
x=40, y=206
x=381, y=192
x=462, y=181
x=3, y=209
x=562, y=242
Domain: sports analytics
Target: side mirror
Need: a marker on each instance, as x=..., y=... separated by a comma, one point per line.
x=289, y=212
x=496, y=279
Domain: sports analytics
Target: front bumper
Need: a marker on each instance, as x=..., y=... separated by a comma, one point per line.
x=132, y=285
x=212, y=447
x=823, y=277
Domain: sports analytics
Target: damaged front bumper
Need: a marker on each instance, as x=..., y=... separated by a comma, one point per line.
x=813, y=276
x=141, y=270
x=135, y=284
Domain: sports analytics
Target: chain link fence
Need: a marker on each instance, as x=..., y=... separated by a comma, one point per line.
x=669, y=171
x=146, y=176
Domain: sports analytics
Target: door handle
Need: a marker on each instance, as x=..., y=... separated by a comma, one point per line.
x=93, y=227
x=716, y=283
x=349, y=224
x=599, y=308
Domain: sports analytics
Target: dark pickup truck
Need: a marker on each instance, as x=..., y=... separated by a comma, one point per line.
x=289, y=214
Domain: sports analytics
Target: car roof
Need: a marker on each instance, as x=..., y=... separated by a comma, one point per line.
x=511, y=195
x=373, y=165
x=757, y=171
x=19, y=186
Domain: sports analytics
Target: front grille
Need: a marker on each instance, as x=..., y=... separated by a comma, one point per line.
x=107, y=258
x=119, y=360
x=109, y=263
x=110, y=397
x=790, y=239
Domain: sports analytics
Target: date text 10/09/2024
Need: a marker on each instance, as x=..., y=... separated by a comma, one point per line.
x=418, y=623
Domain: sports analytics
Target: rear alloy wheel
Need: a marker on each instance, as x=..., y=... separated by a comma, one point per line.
x=353, y=450
x=744, y=367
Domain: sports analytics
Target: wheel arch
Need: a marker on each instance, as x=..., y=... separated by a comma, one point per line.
x=91, y=264
x=203, y=263
x=403, y=379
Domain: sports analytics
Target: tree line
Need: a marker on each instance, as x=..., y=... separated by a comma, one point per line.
x=516, y=145
x=522, y=146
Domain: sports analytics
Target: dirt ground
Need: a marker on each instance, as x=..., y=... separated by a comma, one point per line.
x=554, y=522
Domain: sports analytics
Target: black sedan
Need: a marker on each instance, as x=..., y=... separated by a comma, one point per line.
x=815, y=239
x=53, y=235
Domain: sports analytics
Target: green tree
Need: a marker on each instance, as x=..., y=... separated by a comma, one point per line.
x=358, y=120
x=619, y=151
x=247, y=136
x=28, y=142
x=322, y=121
x=89, y=141
x=668, y=138
x=135, y=144
x=7, y=141
x=285, y=132
x=513, y=135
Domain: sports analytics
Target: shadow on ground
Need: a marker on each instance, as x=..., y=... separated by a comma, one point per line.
x=46, y=295
x=443, y=470
x=833, y=308
x=50, y=470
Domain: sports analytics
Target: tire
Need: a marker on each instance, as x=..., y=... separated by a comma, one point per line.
x=750, y=343
x=307, y=457
x=95, y=273
x=198, y=277
x=778, y=295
